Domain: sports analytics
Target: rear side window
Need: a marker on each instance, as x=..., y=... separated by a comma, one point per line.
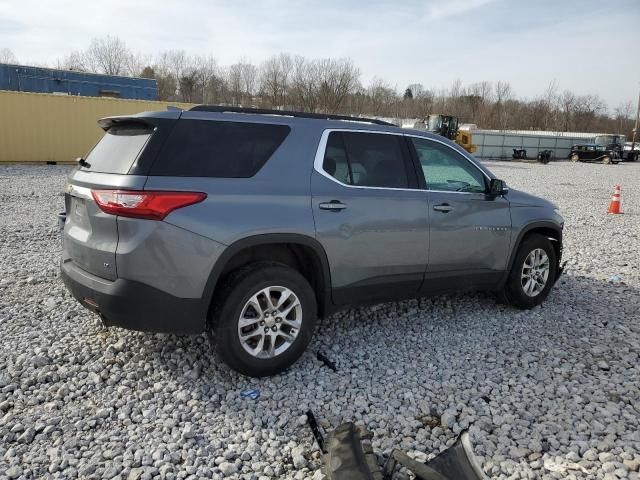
x=335, y=159
x=118, y=149
x=366, y=159
x=204, y=148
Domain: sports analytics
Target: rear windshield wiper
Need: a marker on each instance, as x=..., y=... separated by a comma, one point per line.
x=83, y=163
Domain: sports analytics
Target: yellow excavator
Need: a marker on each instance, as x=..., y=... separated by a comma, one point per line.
x=447, y=126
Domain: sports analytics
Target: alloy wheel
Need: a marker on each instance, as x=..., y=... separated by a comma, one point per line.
x=535, y=272
x=270, y=322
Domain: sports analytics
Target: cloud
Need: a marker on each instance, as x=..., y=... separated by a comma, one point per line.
x=432, y=42
x=450, y=8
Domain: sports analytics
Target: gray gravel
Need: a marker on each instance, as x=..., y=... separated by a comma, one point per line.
x=549, y=393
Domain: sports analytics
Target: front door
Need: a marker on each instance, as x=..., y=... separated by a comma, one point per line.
x=369, y=215
x=470, y=231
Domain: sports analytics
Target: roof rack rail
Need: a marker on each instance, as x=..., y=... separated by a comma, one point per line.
x=287, y=113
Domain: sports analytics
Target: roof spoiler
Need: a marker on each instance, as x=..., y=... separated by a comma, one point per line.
x=108, y=122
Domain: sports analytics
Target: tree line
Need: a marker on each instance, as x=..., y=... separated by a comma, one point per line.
x=329, y=85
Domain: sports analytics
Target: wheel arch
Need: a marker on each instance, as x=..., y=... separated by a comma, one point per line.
x=301, y=252
x=547, y=229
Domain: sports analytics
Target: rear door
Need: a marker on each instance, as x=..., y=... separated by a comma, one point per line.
x=590, y=153
x=90, y=235
x=369, y=215
x=470, y=232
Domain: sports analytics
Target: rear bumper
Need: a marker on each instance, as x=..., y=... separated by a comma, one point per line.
x=134, y=305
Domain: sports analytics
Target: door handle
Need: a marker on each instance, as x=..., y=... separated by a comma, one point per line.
x=334, y=205
x=443, y=207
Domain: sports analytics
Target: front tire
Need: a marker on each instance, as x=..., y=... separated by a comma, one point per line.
x=263, y=319
x=532, y=274
x=606, y=160
x=575, y=157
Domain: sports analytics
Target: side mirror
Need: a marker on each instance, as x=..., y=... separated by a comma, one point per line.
x=497, y=187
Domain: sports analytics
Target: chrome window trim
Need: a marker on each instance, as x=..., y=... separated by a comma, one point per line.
x=322, y=146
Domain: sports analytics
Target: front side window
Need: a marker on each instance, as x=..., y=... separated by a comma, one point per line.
x=366, y=159
x=445, y=169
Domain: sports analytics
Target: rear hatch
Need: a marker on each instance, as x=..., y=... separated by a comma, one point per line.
x=119, y=160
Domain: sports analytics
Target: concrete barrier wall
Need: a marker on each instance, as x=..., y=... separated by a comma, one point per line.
x=41, y=127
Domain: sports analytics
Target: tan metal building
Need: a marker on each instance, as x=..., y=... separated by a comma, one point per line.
x=42, y=127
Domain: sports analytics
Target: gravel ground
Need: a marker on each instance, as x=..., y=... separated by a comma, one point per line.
x=548, y=393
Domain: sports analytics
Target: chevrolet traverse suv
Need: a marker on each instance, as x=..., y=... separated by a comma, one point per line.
x=249, y=224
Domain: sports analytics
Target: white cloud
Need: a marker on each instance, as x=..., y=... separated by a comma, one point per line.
x=453, y=7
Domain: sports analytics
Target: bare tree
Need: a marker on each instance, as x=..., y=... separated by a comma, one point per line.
x=305, y=84
x=624, y=116
x=163, y=73
x=423, y=104
x=75, y=61
x=135, y=64
x=275, y=77
x=382, y=97
x=587, y=108
x=567, y=105
x=176, y=61
x=108, y=55
x=337, y=79
x=188, y=84
x=7, y=56
x=503, y=94
x=417, y=89
x=234, y=84
x=248, y=80
x=474, y=100
x=332, y=85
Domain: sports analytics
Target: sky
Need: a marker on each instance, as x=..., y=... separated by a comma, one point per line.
x=586, y=46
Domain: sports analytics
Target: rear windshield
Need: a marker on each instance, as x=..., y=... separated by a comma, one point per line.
x=207, y=148
x=118, y=149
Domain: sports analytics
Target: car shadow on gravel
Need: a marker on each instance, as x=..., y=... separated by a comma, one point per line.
x=578, y=307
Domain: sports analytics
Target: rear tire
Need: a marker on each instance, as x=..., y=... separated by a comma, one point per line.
x=523, y=288
x=273, y=337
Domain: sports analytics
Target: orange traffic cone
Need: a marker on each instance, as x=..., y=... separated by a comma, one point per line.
x=614, y=206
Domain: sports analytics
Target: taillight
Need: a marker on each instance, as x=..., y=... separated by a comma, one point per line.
x=144, y=204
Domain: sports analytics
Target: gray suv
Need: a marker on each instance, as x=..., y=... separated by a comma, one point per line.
x=249, y=224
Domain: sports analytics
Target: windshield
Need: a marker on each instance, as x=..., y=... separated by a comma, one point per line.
x=434, y=122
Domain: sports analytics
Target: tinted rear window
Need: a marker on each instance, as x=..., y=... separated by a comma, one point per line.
x=204, y=148
x=118, y=149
